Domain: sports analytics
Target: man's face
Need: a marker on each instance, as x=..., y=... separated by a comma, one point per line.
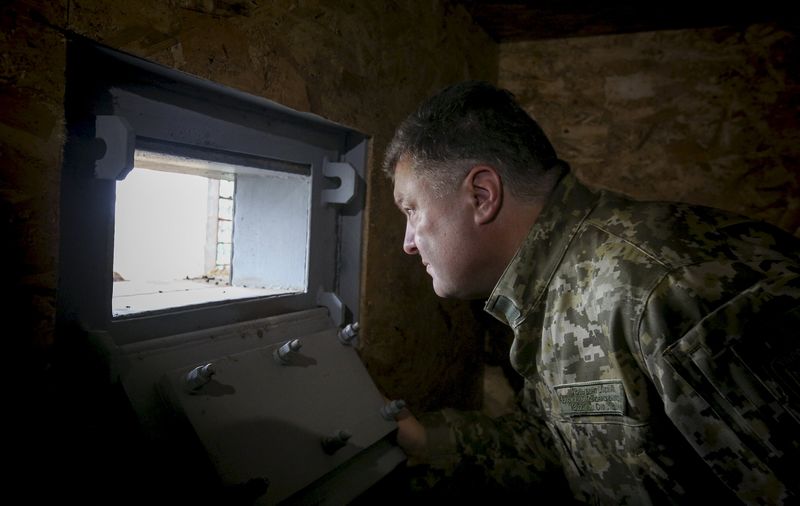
x=438, y=229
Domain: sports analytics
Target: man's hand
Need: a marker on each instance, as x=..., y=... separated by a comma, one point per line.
x=412, y=437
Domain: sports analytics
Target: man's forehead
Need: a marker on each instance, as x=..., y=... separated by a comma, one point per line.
x=400, y=196
x=403, y=174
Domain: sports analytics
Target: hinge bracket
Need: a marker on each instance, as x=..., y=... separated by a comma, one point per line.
x=120, y=140
x=346, y=174
x=334, y=304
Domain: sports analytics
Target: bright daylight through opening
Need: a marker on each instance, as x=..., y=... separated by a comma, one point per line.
x=190, y=231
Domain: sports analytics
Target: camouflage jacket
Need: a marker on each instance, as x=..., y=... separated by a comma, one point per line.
x=659, y=346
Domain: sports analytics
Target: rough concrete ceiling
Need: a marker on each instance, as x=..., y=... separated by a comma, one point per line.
x=547, y=19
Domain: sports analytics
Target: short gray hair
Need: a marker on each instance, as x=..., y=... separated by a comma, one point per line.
x=473, y=123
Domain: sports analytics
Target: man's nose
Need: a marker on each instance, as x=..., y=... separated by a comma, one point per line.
x=409, y=246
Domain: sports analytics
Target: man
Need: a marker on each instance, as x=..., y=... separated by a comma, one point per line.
x=658, y=341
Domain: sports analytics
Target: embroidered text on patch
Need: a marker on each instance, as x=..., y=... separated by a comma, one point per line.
x=604, y=397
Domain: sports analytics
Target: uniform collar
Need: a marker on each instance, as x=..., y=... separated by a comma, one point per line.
x=525, y=279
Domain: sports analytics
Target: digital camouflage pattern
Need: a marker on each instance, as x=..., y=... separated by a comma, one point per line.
x=659, y=347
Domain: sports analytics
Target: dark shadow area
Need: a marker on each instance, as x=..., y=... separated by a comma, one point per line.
x=467, y=484
x=75, y=439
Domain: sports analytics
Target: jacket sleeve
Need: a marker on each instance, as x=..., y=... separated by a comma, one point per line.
x=720, y=342
x=511, y=452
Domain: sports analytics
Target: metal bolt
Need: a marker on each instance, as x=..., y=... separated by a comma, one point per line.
x=390, y=410
x=199, y=376
x=283, y=355
x=349, y=333
x=332, y=444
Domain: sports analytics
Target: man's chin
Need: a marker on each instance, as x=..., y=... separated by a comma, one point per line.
x=441, y=291
x=451, y=292
x=447, y=292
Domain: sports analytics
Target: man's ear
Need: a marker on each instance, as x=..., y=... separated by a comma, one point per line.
x=485, y=188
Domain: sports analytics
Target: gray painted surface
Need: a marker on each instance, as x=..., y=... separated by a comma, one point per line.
x=172, y=111
x=260, y=419
x=255, y=418
x=270, y=232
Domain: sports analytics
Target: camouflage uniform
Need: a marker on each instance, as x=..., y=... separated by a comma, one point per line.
x=659, y=348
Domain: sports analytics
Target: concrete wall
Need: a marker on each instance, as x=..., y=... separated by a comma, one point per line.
x=707, y=116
